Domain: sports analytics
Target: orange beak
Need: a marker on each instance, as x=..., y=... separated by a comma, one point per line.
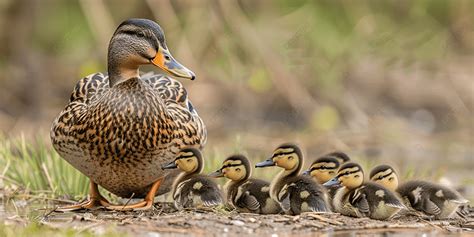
x=165, y=61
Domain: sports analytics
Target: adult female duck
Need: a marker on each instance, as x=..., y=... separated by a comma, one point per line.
x=119, y=129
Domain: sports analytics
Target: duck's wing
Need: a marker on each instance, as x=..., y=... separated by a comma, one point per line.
x=89, y=88
x=284, y=197
x=358, y=199
x=431, y=207
x=248, y=201
x=74, y=114
x=178, y=105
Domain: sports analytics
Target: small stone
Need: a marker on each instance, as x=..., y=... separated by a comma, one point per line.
x=237, y=223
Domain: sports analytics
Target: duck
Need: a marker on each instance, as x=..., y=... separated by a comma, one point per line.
x=190, y=189
x=294, y=192
x=119, y=128
x=339, y=155
x=429, y=198
x=243, y=193
x=357, y=198
x=322, y=170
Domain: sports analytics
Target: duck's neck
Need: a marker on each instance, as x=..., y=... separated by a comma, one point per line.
x=121, y=64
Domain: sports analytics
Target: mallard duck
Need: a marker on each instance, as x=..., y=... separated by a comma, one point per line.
x=322, y=170
x=243, y=193
x=358, y=199
x=190, y=188
x=118, y=129
x=295, y=193
x=430, y=198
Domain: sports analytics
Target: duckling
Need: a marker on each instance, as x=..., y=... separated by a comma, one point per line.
x=358, y=199
x=340, y=156
x=430, y=198
x=243, y=193
x=295, y=193
x=323, y=170
x=190, y=189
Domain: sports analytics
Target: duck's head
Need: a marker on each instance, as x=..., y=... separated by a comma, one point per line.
x=323, y=169
x=141, y=41
x=236, y=168
x=188, y=160
x=386, y=176
x=340, y=156
x=350, y=175
x=287, y=156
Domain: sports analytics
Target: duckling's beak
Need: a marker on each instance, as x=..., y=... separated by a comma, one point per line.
x=171, y=165
x=165, y=61
x=334, y=181
x=216, y=174
x=268, y=162
x=307, y=172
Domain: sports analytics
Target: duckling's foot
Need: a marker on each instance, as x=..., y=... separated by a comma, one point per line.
x=95, y=200
x=143, y=205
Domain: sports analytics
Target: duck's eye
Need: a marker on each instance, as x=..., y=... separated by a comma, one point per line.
x=167, y=57
x=237, y=169
x=140, y=34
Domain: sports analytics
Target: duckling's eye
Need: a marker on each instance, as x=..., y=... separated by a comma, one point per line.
x=356, y=176
x=290, y=157
x=331, y=172
x=390, y=179
x=237, y=169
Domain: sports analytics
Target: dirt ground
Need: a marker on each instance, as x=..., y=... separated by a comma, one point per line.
x=164, y=220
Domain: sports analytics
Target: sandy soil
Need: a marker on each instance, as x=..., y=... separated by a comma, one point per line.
x=163, y=220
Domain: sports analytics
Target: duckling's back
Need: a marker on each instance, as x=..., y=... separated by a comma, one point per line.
x=375, y=201
x=303, y=194
x=197, y=191
x=431, y=198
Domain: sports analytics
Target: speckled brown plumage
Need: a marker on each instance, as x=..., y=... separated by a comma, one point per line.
x=120, y=136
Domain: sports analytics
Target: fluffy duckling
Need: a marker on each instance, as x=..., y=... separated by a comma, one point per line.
x=190, y=188
x=323, y=170
x=295, y=193
x=243, y=193
x=429, y=198
x=359, y=199
x=340, y=156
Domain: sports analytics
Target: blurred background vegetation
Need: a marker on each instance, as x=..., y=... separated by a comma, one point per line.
x=384, y=81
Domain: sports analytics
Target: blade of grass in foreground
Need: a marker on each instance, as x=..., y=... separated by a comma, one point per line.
x=36, y=167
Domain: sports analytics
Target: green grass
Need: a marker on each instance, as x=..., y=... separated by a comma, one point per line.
x=35, y=167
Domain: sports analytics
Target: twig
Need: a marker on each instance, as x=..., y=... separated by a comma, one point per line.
x=128, y=201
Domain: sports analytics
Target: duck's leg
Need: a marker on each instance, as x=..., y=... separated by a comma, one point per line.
x=95, y=200
x=146, y=204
